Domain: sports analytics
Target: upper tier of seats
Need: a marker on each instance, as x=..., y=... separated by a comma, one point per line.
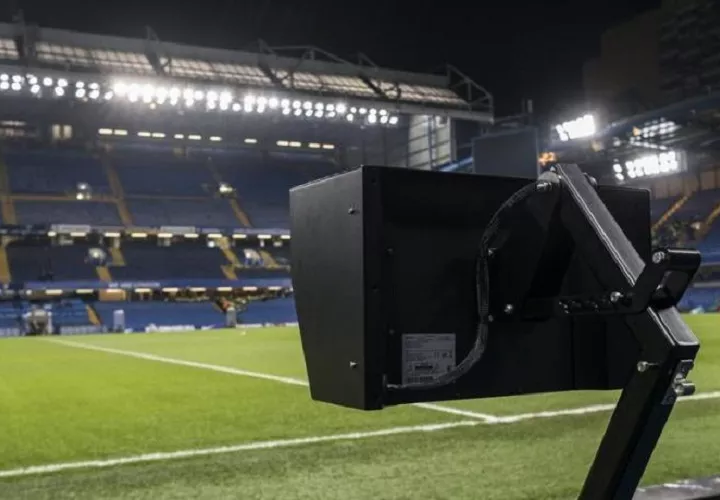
x=159, y=187
x=162, y=174
x=54, y=171
x=67, y=212
x=262, y=184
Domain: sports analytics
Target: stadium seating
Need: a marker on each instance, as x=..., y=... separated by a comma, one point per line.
x=276, y=311
x=163, y=212
x=48, y=171
x=138, y=315
x=262, y=184
x=160, y=173
x=40, y=261
x=184, y=260
x=659, y=207
x=69, y=313
x=698, y=206
x=67, y=212
x=706, y=298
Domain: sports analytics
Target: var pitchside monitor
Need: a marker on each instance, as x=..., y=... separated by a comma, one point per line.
x=385, y=273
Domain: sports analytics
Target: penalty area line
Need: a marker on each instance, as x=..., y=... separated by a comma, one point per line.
x=251, y=446
x=247, y=373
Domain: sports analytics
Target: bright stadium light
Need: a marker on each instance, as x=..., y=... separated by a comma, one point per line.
x=16, y=86
x=350, y=117
x=79, y=85
x=4, y=85
x=236, y=106
x=579, y=128
x=59, y=91
x=341, y=108
x=652, y=165
x=393, y=120
x=273, y=103
x=307, y=105
x=4, y=77
x=62, y=82
x=35, y=89
x=47, y=81
x=80, y=93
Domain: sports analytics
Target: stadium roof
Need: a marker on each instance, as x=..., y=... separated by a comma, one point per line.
x=306, y=70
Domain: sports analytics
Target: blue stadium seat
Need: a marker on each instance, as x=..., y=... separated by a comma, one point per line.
x=202, y=213
x=139, y=315
x=659, y=207
x=54, y=171
x=262, y=185
x=275, y=311
x=33, y=262
x=67, y=212
x=698, y=206
x=188, y=260
x=161, y=173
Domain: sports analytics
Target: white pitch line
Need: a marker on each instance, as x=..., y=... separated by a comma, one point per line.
x=252, y=446
x=457, y=411
x=587, y=410
x=181, y=362
x=246, y=373
x=286, y=443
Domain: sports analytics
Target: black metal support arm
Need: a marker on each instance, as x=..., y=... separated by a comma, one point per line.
x=644, y=294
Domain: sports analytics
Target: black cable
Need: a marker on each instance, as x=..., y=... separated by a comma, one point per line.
x=482, y=295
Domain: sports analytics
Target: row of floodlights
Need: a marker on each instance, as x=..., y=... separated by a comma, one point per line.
x=651, y=165
x=194, y=98
x=191, y=236
x=212, y=138
x=167, y=289
x=586, y=127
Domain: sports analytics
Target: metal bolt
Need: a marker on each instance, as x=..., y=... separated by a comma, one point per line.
x=659, y=257
x=490, y=318
x=491, y=252
x=353, y=365
x=543, y=186
x=390, y=251
x=644, y=366
x=509, y=308
x=352, y=210
x=615, y=297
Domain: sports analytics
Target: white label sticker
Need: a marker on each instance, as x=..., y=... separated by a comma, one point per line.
x=426, y=356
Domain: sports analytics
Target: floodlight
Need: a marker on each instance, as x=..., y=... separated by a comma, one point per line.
x=47, y=81
x=62, y=82
x=79, y=85
x=341, y=108
x=16, y=86
x=59, y=91
x=35, y=89
x=372, y=119
x=350, y=118
x=80, y=93
x=4, y=77
x=393, y=120
x=307, y=105
x=4, y=85
x=456, y=286
x=236, y=106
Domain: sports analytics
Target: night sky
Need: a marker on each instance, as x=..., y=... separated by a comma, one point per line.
x=516, y=49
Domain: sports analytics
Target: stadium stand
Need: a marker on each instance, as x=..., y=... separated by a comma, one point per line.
x=67, y=212
x=159, y=173
x=274, y=311
x=168, y=212
x=38, y=261
x=140, y=314
x=47, y=171
x=262, y=184
x=183, y=260
x=659, y=207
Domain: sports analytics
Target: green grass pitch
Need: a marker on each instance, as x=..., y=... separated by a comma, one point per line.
x=102, y=418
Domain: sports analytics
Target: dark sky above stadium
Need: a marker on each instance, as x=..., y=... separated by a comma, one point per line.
x=516, y=49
